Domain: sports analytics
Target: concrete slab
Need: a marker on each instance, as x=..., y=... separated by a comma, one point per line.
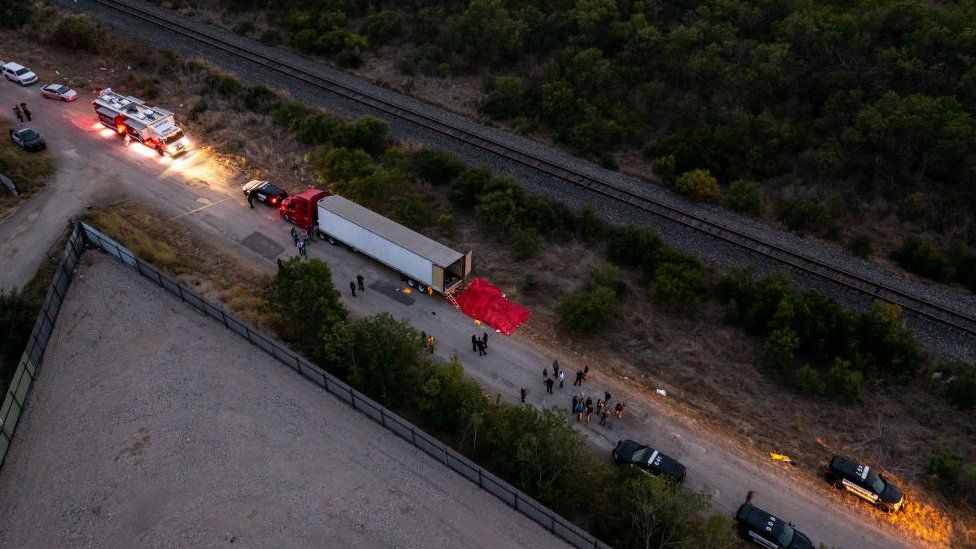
x=263, y=245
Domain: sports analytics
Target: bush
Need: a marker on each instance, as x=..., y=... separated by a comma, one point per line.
x=843, y=381
x=779, y=351
x=438, y=167
x=917, y=256
x=499, y=212
x=809, y=381
x=305, y=295
x=244, y=28
x=860, y=245
x=412, y=211
x=961, y=389
x=367, y=133
x=634, y=247
x=270, y=37
x=589, y=227
x=679, y=284
x=664, y=168
x=587, y=310
x=607, y=276
x=381, y=27
x=344, y=164
x=503, y=99
x=697, y=185
x=468, y=187
x=446, y=223
x=222, y=84
x=745, y=197
x=258, y=99
x=76, y=32
x=804, y=214
x=525, y=242
x=17, y=315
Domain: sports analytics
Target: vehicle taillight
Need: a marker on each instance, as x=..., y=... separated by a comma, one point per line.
x=274, y=200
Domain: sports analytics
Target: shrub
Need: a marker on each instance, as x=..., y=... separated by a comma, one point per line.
x=809, y=381
x=381, y=27
x=525, y=242
x=344, y=164
x=17, y=314
x=244, y=28
x=587, y=310
x=222, y=84
x=664, y=168
x=962, y=259
x=412, y=211
x=199, y=107
x=844, y=382
x=917, y=256
x=745, y=197
x=76, y=32
x=804, y=214
x=607, y=276
x=860, y=245
x=779, y=350
x=499, y=212
x=697, y=185
x=317, y=128
x=270, y=37
x=634, y=247
x=258, y=99
x=438, y=167
x=679, y=284
x=305, y=295
x=503, y=99
x=446, y=223
x=367, y=133
x=588, y=226
x=961, y=389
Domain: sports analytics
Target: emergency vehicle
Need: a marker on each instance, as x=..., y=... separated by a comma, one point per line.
x=152, y=126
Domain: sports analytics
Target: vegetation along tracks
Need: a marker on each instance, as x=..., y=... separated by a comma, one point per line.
x=917, y=305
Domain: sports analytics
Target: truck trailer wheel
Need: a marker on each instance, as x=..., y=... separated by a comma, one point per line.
x=412, y=283
x=422, y=288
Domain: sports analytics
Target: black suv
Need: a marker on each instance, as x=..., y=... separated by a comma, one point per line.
x=755, y=525
x=864, y=482
x=648, y=460
x=265, y=191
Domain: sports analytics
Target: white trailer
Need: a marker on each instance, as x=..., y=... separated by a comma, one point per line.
x=426, y=264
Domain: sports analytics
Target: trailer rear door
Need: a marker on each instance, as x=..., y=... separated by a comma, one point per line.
x=467, y=263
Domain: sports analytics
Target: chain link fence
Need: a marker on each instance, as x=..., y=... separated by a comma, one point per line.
x=83, y=233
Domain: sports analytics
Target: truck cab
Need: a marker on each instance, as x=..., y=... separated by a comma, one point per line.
x=301, y=209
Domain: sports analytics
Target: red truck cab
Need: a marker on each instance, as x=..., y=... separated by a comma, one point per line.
x=302, y=209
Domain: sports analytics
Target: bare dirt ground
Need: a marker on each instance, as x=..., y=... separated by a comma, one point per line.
x=153, y=426
x=706, y=366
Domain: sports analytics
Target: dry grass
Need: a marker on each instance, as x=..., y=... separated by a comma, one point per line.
x=30, y=171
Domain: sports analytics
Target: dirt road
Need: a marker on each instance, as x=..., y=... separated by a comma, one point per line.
x=95, y=168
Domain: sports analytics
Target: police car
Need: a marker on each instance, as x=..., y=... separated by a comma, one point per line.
x=648, y=459
x=755, y=525
x=864, y=482
x=265, y=191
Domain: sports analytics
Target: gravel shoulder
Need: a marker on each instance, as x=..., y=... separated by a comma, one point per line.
x=153, y=426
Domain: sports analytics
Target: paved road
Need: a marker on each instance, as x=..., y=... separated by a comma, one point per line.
x=94, y=168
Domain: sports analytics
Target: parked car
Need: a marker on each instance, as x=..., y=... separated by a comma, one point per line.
x=59, y=92
x=27, y=138
x=647, y=459
x=265, y=191
x=762, y=528
x=19, y=74
x=864, y=482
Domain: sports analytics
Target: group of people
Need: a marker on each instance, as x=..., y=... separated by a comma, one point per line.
x=480, y=344
x=583, y=406
x=301, y=239
x=357, y=284
x=21, y=112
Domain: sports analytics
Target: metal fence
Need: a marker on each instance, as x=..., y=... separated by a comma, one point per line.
x=30, y=361
x=404, y=429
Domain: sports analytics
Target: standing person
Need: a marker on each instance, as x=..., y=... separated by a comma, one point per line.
x=280, y=264
x=606, y=398
x=18, y=114
x=589, y=412
x=579, y=413
x=250, y=199
x=599, y=407
x=352, y=287
x=549, y=383
x=545, y=373
x=575, y=402
x=524, y=392
x=562, y=377
x=589, y=402
x=605, y=416
x=423, y=338
x=294, y=237
x=475, y=344
x=359, y=281
x=481, y=348
x=586, y=372
x=579, y=379
x=303, y=250
x=484, y=338
x=619, y=409
x=430, y=344
x=303, y=236
x=23, y=107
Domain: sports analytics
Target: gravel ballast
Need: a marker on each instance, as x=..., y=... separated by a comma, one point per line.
x=718, y=254
x=153, y=426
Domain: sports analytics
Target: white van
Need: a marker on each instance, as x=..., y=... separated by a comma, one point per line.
x=19, y=74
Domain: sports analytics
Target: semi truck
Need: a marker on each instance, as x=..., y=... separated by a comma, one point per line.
x=154, y=127
x=426, y=264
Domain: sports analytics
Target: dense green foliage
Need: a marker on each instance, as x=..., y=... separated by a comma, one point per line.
x=950, y=474
x=17, y=314
x=848, y=345
x=956, y=264
x=676, y=280
x=538, y=451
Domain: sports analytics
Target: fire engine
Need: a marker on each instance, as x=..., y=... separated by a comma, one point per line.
x=152, y=126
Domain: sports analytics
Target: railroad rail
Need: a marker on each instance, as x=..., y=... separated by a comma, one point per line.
x=917, y=305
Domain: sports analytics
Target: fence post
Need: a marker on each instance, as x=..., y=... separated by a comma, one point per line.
x=352, y=398
x=481, y=482
x=382, y=417
x=179, y=290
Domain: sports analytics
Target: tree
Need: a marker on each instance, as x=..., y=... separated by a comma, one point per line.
x=917, y=256
x=587, y=310
x=778, y=352
x=342, y=164
x=307, y=299
x=697, y=185
x=744, y=197
x=384, y=360
x=504, y=98
x=381, y=27
x=438, y=167
x=679, y=284
x=367, y=133
x=661, y=512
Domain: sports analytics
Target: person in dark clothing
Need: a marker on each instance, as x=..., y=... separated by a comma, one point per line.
x=280, y=264
x=352, y=286
x=579, y=379
x=359, y=282
x=423, y=337
x=523, y=389
x=484, y=338
x=294, y=237
x=619, y=409
x=20, y=115
x=27, y=114
x=549, y=383
x=605, y=416
x=483, y=347
x=589, y=412
x=575, y=402
x=250, y=199
x=555, y=368
x=586, y=372
x=589, y=402
x=606, y=398
x=545, y=373
x=475, y=344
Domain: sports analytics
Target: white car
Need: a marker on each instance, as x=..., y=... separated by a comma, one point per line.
x=19, y=74
x=59, y=92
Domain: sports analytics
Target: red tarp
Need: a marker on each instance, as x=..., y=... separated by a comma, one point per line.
x=484, y=302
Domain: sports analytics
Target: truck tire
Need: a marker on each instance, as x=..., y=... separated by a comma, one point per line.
x=331, y=240
x=412, y=283
x=422, y=288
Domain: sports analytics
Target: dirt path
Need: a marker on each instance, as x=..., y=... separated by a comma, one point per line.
x=94, y=168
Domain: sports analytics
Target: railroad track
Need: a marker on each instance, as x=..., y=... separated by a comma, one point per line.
x=811, y=266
